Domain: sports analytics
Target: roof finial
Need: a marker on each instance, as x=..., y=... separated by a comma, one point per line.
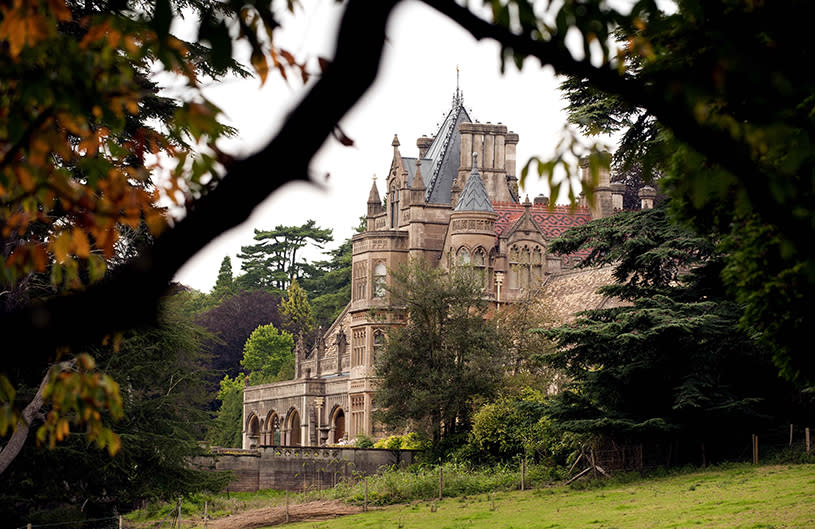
x=475, y=162
x=457, y=97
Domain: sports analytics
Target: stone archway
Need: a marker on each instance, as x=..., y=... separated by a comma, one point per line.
x=293, y=425
x=338, y=425
x=271, y=433
x=253, y=431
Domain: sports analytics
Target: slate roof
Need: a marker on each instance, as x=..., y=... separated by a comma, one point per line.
x=426, y=168
x=445, y=153
x=474, y=196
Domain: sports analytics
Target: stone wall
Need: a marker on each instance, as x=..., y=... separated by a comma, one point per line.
x=299, y=468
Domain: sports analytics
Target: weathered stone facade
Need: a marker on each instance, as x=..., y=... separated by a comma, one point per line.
x=455, y=203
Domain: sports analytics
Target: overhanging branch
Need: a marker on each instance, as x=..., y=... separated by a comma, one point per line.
x=130, y=296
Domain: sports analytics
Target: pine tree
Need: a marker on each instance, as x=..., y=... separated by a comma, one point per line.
x=225, y=284
x=296, y=311
x=670, y=366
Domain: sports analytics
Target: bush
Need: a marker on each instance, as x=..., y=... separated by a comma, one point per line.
x=410, y=441
x=363, y=441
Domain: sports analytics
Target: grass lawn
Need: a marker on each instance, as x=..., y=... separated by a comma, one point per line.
x=765, y=497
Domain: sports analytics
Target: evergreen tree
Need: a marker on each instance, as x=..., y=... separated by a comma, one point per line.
x=224, y=284
x=164, y=402
x=447, y=355
x=328, y=284
x=272, y=263
x=296, y=311
x=670, y=366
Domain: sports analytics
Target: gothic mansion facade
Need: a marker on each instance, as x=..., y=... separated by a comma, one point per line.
x=455, y=202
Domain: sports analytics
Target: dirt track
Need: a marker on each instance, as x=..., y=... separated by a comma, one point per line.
x=314, y=510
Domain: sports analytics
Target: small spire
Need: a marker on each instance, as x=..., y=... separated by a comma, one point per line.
x=475, y=162
x=373, y=196
x=418, y=180
x=395, y=141
x=527, y=203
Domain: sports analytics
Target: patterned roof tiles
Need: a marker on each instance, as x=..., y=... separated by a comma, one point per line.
x=552, y=221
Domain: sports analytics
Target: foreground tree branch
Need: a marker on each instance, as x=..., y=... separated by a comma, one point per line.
x=89, y=316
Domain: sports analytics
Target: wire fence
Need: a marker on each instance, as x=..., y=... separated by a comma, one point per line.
x=782, y=444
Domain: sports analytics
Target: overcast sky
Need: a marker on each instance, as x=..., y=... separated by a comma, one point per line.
x=411, y=97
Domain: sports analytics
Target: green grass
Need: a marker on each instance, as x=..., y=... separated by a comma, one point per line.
x=218, y=505
x=738, y=496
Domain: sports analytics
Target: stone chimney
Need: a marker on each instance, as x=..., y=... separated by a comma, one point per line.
x=423, y=144
x=601, y=204
x=617, y=192
x=647, y=195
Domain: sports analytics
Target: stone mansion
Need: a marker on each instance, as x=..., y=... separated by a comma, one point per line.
x=455, y=201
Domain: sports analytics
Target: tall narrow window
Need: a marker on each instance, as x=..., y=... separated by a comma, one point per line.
x=514, y=267
x=360, y=280
x=380, y=274
x=463, y=257
x=525, y=259
x=394, y=204
x=537, y=267
x=358, y=338
x=480, y=265
x=379, y=344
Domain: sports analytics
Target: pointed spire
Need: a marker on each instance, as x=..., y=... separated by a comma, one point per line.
x=418, y=180
x=417, y=189
x=373, y=196
x=474, y=197
x=395, y=141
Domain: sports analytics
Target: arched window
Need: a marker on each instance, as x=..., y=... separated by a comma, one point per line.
x=380, y=274
x=480, y=265
x=463, y=257
x=393, y=200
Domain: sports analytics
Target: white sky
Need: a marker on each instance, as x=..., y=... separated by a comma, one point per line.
x=410, y=97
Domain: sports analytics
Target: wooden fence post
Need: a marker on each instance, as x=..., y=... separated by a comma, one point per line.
x=755, y=449
x=365, y=501
x=441, y=481
x=287, y=506
x=790, y=435
x=806, y=432
x=523, y=471
x=206, y=514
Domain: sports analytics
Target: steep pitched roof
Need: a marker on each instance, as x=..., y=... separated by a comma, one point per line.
x=474, y=196
x=445, y=153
